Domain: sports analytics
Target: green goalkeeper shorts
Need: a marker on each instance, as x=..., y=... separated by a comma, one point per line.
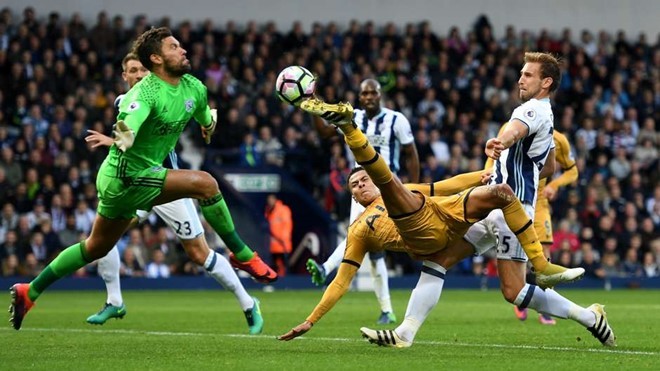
x=120, y=198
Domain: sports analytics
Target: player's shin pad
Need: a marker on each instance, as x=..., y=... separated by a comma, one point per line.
x=367, y=157
x=377, y=169
x=522, y=226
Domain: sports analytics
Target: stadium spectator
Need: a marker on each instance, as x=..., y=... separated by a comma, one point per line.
x=611, y=265
x=649, y=265
x=157, y=268
x=10, y=245
x=130, y=266
x=588, y=260
x=280, y=222
x=60, y=81
x=10, y=266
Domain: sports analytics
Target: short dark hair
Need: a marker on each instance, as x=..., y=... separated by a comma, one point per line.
x=549, y=67
x=370, y=82
x=353, y=171
x=150, y=42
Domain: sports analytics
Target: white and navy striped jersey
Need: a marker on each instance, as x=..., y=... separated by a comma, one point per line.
x=172, y=160
x=118, y=100
x=387, y=132
x=519, y=165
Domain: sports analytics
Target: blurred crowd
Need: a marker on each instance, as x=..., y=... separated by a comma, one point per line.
x=60, y=75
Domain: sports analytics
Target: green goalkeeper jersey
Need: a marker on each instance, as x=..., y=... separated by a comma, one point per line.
x=157, y=112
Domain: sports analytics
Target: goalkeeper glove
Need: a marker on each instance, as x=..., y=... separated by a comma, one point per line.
x=124, y=136
x=209, y=130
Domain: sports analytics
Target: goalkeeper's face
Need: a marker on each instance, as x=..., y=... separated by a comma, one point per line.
x=364, y=190
x=175, y=62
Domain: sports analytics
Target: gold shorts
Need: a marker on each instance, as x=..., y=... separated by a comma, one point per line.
x=438, y=223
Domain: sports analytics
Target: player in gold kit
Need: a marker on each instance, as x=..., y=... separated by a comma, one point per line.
x=428, y=228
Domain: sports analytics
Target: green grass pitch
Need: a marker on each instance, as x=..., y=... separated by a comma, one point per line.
x=193, y=330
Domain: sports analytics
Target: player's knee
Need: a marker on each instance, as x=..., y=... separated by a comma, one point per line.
x=503, y=194
x=206, y=185
x=196, y=251
x=96, y=248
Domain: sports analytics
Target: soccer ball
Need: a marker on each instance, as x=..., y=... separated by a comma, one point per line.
x=295, y=84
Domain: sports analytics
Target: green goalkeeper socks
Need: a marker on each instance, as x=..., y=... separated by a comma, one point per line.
x=217, y=214
x=67, y=262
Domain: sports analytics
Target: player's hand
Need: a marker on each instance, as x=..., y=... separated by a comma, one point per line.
x=550, y=192
x=208, y=131
x=96, y=139
x=494, y=148
x=485, y=176
x=296, y=331
x=124, y=136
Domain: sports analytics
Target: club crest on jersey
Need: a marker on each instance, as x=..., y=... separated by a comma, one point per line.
x=133, y=106
x=189, y=105
x=531, y=114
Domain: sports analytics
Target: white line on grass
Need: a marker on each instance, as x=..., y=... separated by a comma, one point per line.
x=442, y=343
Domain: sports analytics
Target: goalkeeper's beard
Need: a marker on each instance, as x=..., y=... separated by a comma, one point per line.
x=177, y=71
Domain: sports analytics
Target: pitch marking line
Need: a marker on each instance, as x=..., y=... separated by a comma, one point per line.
x=437, y=343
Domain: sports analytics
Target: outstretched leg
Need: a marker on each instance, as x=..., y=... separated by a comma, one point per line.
x=105, y=233
x=423, y=298
x=550, y=302
x=202, y=186
x=398, y=199
x=483, y=200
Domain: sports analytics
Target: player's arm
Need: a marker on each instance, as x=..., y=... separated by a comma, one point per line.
x=337, y=288
x=549, y=167
x=569, y=168
x=487, y=173
x=325, y=131
x=355, y=252
x=206, y=117
x=567, y=177
x=412, y=161
x=514, y=131
x=490, y=163
x=449, y=186
x=133, y=112
x=403, y=133
x=96, y=139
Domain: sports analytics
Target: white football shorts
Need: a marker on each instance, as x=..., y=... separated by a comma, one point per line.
x=180, y=215
x=494, y=232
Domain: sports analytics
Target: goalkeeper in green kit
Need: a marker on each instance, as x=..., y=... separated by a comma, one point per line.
x=151, y=118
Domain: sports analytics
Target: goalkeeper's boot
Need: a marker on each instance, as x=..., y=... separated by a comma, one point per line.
x=254, y=319
x=384, y=338
x=256, y=267
x=339, y=114
x=521, y=313
x=317, y=271
x=547, y=320
x=554, y=274
x=108, y=311
x=20, y=304
x=386, y=318
x=601, y=330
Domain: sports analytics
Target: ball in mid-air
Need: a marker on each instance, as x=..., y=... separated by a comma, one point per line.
x=295, y=84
